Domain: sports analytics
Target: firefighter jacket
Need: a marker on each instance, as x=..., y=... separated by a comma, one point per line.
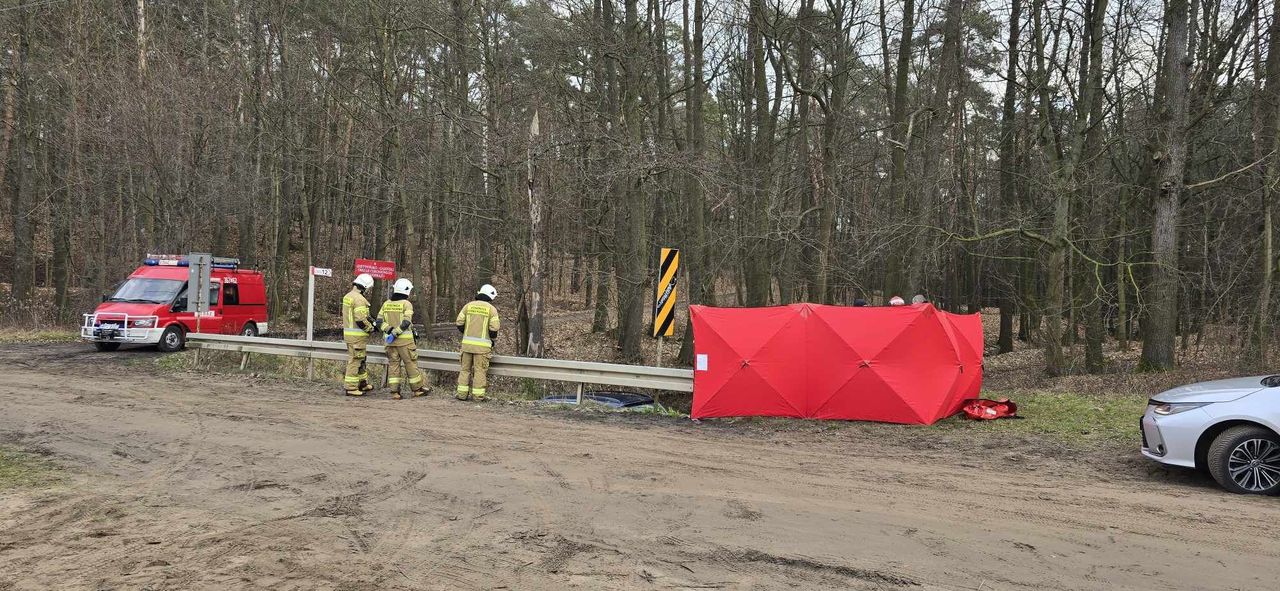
x=356, y=324
x=397, y=319
x=479, y=323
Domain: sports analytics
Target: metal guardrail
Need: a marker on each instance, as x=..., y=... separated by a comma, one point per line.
x=580, y=372
x=439, y=330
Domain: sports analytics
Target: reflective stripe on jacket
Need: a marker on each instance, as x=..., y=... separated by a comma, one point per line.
x=355, y=308
x=477, y=320
x=394, y=313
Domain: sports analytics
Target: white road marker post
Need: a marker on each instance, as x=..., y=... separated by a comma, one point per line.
x=311, y=312
x=199, y=276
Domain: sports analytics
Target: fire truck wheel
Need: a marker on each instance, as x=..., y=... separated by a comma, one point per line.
x=107, y=347
x=250, y=330
x=172, y=340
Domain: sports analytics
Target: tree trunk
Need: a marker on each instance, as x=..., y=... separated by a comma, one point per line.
x=923, y=246
x=1122, y=289
x=536, y=270
x=8, y=121
x=1008, y=192
x=1096, y=292
x=632, y=217
x=896, y=274
x=1257, y=351
x=699, y=275
x=1063, y=170
x=1170, y=153
x=141, y=32
x=828, y=196
x=19, y=181
x=1260, y=333
x=757, y=255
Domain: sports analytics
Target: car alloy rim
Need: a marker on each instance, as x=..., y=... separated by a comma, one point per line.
x=1255, y=464
x=172, y=339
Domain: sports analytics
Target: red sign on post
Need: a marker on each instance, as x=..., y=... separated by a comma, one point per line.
x=378, y=269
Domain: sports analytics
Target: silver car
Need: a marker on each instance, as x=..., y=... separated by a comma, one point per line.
x=1229, y=427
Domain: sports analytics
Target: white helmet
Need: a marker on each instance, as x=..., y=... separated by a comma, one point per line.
x=488, y=291
x=896, y=301
x=402, y=285
x=364, y=280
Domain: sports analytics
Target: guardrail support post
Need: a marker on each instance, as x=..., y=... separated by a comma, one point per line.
x=244, y=361
x=579, y=395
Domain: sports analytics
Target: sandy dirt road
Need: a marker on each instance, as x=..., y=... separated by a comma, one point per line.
x=184, y=481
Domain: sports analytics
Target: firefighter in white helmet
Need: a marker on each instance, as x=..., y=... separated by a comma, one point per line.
x=356, y=328
x=479, y=323
x=396, y=318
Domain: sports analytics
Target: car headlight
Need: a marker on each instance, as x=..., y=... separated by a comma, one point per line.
x=144, y=323
x=1173, y=408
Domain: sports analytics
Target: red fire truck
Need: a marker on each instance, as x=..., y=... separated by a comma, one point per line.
x=150, y=307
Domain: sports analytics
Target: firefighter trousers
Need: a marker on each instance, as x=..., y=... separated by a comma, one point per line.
x=402, y=367
x=357, y=366
x=473, y=377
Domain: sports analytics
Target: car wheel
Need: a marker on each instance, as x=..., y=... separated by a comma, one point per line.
x=107, y=347
x=172, y=339
x=250, y=330
x=1246, y=460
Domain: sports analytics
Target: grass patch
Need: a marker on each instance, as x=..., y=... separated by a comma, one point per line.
x=275, y=366
x=531, y=389
x=20, y=469
x=1073, y=418
x=13, y=335
x=588, y=406
x=260, y=364
x=172, y=361
x=663, y=411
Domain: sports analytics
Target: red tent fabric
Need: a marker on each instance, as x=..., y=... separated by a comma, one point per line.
x=906, y=364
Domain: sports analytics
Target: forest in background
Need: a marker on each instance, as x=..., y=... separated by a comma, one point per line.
x=1102, y=172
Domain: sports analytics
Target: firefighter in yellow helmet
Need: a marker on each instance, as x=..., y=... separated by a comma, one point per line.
x=479, y=323
x=356, y=328
x=396, y=318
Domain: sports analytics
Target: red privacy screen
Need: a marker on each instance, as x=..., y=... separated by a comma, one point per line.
x=904, y=364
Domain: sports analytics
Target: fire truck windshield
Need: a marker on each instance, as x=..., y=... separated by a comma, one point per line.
x=147, y=291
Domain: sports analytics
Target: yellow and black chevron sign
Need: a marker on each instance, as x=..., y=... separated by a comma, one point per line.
x=664, y=306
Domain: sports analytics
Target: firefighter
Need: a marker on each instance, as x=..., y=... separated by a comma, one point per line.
x=396, y=318
x=356, y=328
x=479, y=323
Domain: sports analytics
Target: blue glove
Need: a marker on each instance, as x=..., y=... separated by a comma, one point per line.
x=391, y=337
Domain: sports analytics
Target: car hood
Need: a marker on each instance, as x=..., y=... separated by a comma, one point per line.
x=130, y=308
x=1215, y=391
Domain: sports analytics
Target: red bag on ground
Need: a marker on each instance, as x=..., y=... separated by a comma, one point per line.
x=981, y=409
